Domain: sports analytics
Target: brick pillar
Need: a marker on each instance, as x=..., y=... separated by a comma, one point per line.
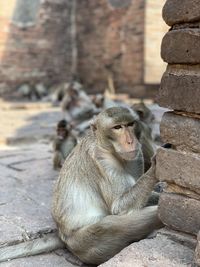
x=179, y=206
x=197, y=251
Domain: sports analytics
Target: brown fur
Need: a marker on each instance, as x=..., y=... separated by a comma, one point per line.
x=145, y=124
x=100, y=197
x=63, y=144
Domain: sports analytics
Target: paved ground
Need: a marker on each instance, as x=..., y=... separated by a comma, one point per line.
x=27, y=122
x=27, y=178
x=156, y=252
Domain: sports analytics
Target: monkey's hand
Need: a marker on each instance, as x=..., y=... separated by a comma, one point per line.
x=152, y=171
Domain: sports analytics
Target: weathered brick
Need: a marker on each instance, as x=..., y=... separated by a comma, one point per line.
x=177, y=11
x=197, y=251
x=180, y=88
x=102, y=53
x=178, y=167
x=109, y=41
x=160, y=251
x=181, y=131
x=179, y=237
x=181, y=46
x=180, y=212
x=44, y=50
x=173, y=188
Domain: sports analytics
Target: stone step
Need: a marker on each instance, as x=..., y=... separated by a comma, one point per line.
x=161, y=251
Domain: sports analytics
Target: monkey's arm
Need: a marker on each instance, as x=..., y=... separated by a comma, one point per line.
x=57, y=144
x=137, y=196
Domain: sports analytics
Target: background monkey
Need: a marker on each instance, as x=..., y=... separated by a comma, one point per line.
x=144, y=113
x=144, y=132
x=63, y=144
x=100, y=197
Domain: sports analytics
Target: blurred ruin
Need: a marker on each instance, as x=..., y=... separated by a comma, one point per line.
x=67, y=60
x=50, y=42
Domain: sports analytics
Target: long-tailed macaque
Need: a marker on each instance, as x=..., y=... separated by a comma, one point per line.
x=100, y=198
x=63, y=144
x=144, y=113
x=144, y=132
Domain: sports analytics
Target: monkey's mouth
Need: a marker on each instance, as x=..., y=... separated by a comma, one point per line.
x=128, y=155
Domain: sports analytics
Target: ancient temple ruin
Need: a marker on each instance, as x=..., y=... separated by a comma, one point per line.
x=52, y=41
x=178, y=243
x=180, y=91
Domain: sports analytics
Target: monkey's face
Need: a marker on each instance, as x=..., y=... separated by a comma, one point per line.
x=116, y=131
x=62, y=133
x=124, y=141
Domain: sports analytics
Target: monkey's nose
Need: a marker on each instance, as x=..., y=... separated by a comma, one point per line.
x=129, y=141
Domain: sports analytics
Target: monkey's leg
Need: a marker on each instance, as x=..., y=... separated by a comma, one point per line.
x=57, y=160
x=99, y=242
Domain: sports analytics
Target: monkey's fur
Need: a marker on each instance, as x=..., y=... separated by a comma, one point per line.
x=144, y=113
x=100, y=197
x=144, y=129
x=143, y=134
x=63, y=144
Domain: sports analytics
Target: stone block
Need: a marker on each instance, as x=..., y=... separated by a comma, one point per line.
x=26, y=187
x=180, y=213
x=110, y=19
x=176, y=130
x=178, y=167
x=26, y=12
x=179, y=237
x=180, y=88
x=181, y=46
x=173, y=188
x=154, y=252
x=176, y=11
x=49, y=259
x=197, y=251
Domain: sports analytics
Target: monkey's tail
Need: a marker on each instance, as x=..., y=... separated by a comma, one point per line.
x=33, y=247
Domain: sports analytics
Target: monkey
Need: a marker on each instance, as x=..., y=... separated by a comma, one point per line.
x=144, y=113
x=77, y=105
x=98, y=100
x=117, y=214
x=144, y=132
x=63, y=143
x=100, y=197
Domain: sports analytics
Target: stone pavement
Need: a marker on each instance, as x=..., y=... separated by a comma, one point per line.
x=27, y=178
x=162, y=251
x=27, y=122
x=26, y=182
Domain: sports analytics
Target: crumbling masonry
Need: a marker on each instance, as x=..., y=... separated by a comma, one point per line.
x=51, y=41
x=179, y=206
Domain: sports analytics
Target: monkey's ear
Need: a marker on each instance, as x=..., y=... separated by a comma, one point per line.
x=93, y=125
x=140, y=113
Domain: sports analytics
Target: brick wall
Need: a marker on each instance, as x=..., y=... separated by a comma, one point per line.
x=49, y=40
x=179, y=206
x=36, y=50
x=110, y=41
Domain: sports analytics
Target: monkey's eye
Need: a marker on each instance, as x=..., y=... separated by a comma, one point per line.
x=117, y=127
x=130, y=124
